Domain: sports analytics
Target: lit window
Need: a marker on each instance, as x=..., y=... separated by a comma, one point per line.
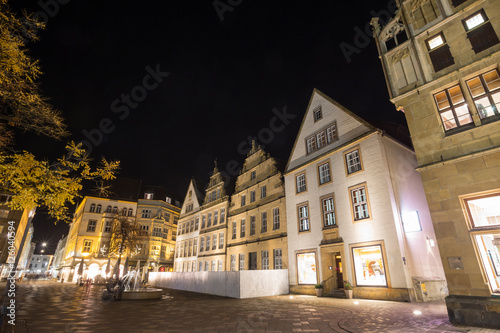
x=435, y=42
x=439, y=52
x=369, y=266
x=485, y=90
x=322, y=138
x=87, y=246
x=306, y=268
x=452, y=108
x=480, y=32
x=303, y=217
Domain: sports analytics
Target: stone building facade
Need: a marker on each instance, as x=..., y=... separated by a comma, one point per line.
x=90, y=234
x=441, y=64
x=356, y=211
x=257, y=228
x=213, y=225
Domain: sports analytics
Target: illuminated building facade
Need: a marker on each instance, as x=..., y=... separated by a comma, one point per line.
x=356, y=210
x=441, y=64
x=257, y=224
x=188, y=230
x=90, y=234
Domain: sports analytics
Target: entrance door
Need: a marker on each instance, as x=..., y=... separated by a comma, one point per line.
x=338, y=270
x=252, y=258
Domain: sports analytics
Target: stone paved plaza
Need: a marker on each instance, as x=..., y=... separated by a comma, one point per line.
x=56, y=307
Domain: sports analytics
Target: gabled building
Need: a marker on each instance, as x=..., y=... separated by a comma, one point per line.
x=186, y=251
x=257, y=227
x=356, y=210
x=213, y=227
x=441, y=64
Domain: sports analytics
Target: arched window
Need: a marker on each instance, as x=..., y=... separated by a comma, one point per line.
x=98, y=209
x=124, y=211
x=130, y=212
x=115, y=209
x=108, y=209
x=92, y=208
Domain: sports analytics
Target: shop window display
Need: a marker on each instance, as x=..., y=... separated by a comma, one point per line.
x=369, y=266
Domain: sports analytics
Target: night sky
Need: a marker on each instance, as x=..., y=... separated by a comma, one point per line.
x=217, y=76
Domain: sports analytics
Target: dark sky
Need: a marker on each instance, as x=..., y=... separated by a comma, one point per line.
x=226, y=73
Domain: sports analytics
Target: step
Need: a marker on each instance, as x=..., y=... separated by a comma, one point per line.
x=336, y=294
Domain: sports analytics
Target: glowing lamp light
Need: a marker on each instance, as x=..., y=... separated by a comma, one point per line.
x=44, y=244
x=291, y=297
x=356, y=302
x=85, y=254
x=417, y=312
x=411, y=222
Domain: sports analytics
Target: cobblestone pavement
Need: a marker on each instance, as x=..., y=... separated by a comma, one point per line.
x=44, y=306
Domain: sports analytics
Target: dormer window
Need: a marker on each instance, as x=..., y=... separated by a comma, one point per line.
x=148, y=196
x=318, y=115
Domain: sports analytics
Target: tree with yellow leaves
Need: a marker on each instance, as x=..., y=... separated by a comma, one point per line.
x=35, y=183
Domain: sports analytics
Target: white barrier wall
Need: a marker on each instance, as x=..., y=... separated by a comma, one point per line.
x=240, y=284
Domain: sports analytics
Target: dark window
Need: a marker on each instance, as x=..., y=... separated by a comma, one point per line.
x=480, y=32
x=456, y=3
x=439, y=52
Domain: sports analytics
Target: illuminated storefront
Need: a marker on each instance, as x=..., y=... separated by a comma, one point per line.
x=369, y=266
x=306, y=268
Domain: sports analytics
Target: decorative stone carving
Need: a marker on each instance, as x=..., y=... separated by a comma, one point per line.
x=392, y=28
x=403, y=53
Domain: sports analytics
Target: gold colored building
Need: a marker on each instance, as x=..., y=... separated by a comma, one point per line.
x=213, y=227
x=90, y=234
x=441, y=63
x=257, y=229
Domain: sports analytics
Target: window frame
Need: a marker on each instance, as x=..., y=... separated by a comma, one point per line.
x=440, y=51
x=300, y=174
x=311, y=142
x=353, y=205
x=487, y=93
x=242, y=228
x=482, y=29
x=264, y=260
x=263, y=222
x=453, y=107
x=300, y=219
x=317, y=112
x=346, y=164
x=320, y=183
x=91, y=227
x=324, y=213
x=276, y=218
